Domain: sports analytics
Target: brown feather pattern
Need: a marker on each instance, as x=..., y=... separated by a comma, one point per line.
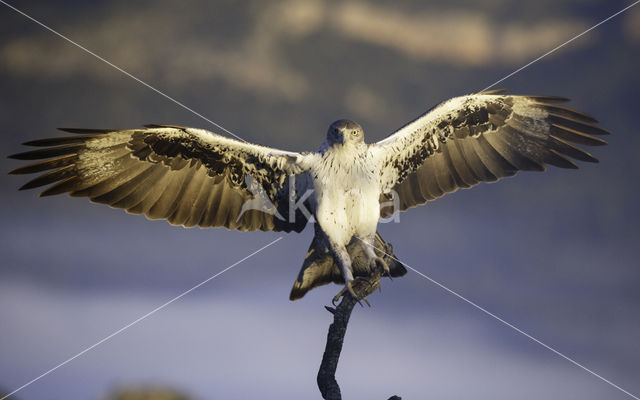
x=485, y=137
x=188, y=177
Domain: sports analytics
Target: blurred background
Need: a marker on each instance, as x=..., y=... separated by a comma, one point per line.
x=554, y=253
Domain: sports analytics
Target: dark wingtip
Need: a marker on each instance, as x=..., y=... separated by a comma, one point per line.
x=59, y=141
x=19, y=156
x=603, y=131
x=154, y=126
x=494, y=91
x=85, y=130
x=20, y=171
x=64, y=186
x=545, y=98
x=600, y=142
x=560, y=161
x=47, y=152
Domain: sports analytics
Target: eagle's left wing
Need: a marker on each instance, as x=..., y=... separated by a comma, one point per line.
x=480, y=137
x=184, y=175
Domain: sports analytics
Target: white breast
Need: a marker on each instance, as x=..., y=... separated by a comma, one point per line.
x=347, y=192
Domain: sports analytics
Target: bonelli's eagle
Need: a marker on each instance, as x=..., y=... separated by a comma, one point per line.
x=195, y=177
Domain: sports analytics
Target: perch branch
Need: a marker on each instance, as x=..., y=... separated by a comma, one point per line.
x=335, y=337
x=327, y=383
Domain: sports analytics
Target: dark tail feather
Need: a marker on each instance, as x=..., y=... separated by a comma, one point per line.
x=319, y=267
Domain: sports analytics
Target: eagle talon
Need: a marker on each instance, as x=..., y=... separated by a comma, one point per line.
x=364, y=280
x=348, y=288
x=338, y=296
x=381, y=265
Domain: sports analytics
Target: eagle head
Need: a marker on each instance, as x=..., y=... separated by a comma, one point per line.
x=344, y=132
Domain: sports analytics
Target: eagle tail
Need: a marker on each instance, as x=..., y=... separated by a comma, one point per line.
x=320, y=268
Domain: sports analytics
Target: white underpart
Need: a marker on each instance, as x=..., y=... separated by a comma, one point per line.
x=347, y=193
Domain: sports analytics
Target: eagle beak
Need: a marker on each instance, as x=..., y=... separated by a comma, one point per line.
x=340, y=137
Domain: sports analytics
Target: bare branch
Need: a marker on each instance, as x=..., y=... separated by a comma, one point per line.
x=335, y=338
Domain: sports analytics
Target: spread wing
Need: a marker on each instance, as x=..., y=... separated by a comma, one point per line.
x=480, y=138
x=184, y=175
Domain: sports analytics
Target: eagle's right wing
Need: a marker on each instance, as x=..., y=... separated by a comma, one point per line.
x=184, y=175
x=480, y=138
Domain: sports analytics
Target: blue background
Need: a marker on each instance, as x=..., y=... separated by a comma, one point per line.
x=554, y=253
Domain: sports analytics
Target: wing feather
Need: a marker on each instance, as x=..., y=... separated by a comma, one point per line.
x=187, y=176
x=506, y=147
x=457, y=162
x=481, y=138
x=150, y=192
x=64, y=186
x=200, y=202
x=431, y=189
x=480, y=170
x=50, y=177
x=117, y=190
x=443, y=176
x=212, y=206
x=186, y=203
x=180, y=196
x=141, y=190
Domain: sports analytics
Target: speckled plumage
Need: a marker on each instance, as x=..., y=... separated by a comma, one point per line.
x=195, y=177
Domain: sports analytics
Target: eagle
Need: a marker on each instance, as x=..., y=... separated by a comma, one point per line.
x=194, y=177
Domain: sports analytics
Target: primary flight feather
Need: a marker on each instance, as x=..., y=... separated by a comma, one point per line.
x=195, y=177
